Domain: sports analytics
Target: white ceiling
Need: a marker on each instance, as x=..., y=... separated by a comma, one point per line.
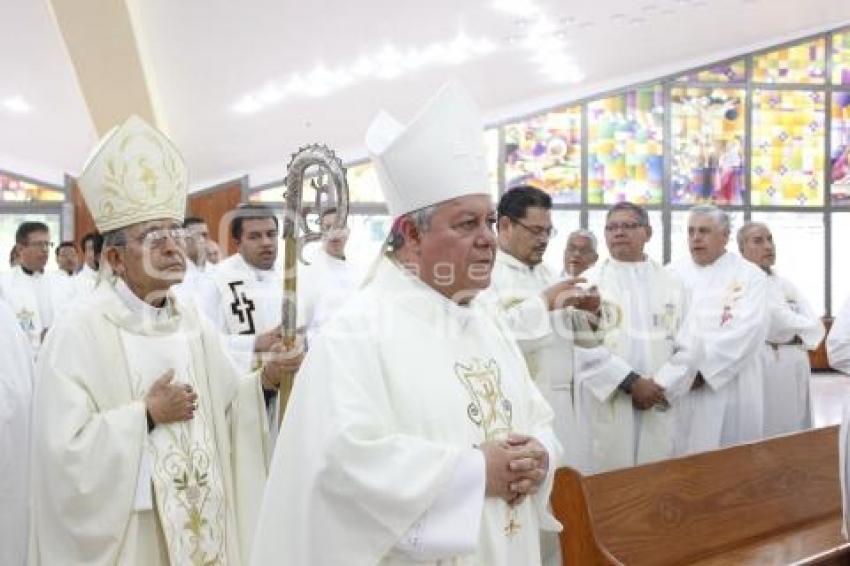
x=204, y=57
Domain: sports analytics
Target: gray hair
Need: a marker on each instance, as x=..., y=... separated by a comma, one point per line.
x=744, y=232
x=719, y=215
x=581, y=232
x=421, y=219
x=115, y=238
x=637, y=210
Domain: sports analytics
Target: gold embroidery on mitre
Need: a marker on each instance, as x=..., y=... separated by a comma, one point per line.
x=488, y=407
x=136, y=174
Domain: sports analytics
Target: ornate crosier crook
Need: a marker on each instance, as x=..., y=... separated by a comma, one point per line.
x=331, y=189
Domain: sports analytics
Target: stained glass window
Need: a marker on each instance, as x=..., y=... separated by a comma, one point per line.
x=734, y=72
x=841, y=57
x=788, y=148
x=17, y=190
x=799, y=239
x=803, y=63
x=625, y=147
x=491, y=147
x=545, y=151
x=840, y=152
x=708, y=145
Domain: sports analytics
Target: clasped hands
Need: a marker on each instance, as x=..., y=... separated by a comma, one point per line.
x=514, y=467
x=647, y=394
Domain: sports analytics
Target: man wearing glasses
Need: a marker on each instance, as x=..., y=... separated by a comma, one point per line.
x=148, y=443
x=547, y=316
x=35, y=297
x=624, y=401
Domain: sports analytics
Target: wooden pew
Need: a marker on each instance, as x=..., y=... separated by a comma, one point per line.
x=772, y=502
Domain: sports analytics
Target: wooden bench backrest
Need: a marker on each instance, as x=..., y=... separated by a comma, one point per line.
x=680, y=510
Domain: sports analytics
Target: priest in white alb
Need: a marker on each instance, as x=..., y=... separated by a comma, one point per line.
x=629, y=400
x=546, y=315
x=793, y=329
x=16, y=380
x=726, y=328
x=414, y=434
x=148, y=445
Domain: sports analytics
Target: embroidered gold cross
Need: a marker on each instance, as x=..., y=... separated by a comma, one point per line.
x=513, y=526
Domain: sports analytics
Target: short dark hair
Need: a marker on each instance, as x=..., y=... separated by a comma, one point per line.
x=329, y=210
x=65, y=244
x=97, y=241
x=23, y=232
x=636, y=209
x=190, y=220
x=250, y=211
x=517, y=200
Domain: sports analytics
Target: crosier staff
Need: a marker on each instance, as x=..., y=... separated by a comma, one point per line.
x=295, y=221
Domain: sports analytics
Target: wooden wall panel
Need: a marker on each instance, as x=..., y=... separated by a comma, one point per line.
x=213, y=205
x=83, y=221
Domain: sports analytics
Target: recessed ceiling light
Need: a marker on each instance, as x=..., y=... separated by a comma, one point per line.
x=17, y=104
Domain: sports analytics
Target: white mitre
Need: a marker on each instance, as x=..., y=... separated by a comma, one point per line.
x=134, y=174
x=437, y=157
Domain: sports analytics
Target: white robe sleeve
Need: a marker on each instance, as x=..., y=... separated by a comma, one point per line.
x=787, y=323
x=600, y=372
x=450, y=526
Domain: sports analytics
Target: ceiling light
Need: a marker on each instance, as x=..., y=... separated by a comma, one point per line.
x=17, y=104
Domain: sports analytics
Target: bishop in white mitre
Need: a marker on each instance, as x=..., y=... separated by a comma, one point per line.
x=141, y=453
x=546, y=315
x=792, y=329
x=726, y=328
x=629, y=398
x=414, y=434
x=16, y=380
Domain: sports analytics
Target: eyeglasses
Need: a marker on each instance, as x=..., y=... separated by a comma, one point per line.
x=624, y=226
x=538, y=231
x=40, y=245
x=158, y=238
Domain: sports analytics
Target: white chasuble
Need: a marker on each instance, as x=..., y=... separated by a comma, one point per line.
x=392, y=398
x=181, y=458
x=726, y=325
x=92, y=494
x=793, y=329
x=547, y=340
x=37, y=300
x=643, y=312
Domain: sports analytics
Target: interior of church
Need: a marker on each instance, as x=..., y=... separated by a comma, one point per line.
x=667, y=104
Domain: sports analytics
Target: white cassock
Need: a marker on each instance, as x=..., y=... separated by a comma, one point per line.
x=192, y=285
x=643, y=312
x=793, y=328
x=376, y=462
x=726, y=325
x=104, y=489
x=241, y=301
x=546, y=339
x=838, y=340
x=323, y=287
x=16, y=377
x=37, y=299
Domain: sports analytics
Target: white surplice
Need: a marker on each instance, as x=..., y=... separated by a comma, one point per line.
x=793, y=328
x=323, y=287
x=37, y=299
x=241, y=301
x=547, y=340
x=644, y=309
x=104, y=489
x=376, y=463
x=16, y=381
x=84, y=281
x=727, y=326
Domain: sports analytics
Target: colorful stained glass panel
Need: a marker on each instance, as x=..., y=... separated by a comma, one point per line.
x=839, y=159
x=734, y=72
x=625, y=147
x=491, y=147
x=708, y=145
x=804, y=63
x=788, y=148
x=545, y=151
x=13, y=189
x=841, y=58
